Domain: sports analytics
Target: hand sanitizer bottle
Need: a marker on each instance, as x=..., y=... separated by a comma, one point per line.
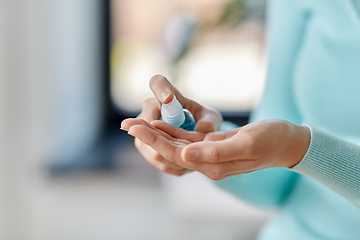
x=174, y=114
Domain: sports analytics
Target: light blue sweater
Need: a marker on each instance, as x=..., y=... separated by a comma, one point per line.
x=313, y=78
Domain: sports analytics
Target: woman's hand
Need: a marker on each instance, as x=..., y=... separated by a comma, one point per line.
x=259, y=145
x=207, y=120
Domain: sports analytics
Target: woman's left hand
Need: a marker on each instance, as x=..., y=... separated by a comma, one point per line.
x=258, y=145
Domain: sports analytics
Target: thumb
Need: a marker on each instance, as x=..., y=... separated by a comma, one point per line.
x=209, y=121
x=162, y=89
x=204, y=126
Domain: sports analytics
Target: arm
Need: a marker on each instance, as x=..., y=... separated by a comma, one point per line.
x=270, y=187
x=333, y=162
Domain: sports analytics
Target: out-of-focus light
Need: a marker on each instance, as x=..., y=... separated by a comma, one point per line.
x=228, y=77
x=133, y=63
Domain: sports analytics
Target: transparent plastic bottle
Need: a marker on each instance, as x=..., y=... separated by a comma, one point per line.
x=174, y=114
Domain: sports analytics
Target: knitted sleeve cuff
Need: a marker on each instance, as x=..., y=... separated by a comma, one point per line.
x=333, y=162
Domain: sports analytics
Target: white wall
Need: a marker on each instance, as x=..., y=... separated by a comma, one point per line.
x=50, y=97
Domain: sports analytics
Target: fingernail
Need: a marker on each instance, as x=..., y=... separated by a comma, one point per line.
x=164, y=95
x=192, y=155
x=130, y=133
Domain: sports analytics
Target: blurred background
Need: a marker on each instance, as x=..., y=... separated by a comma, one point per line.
x=72, y=70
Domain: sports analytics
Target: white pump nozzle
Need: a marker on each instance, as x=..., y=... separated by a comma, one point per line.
x=172, y=113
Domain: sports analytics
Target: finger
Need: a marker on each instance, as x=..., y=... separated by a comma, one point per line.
x=216, y=151
x=152, y=156
x=207, y=120
x=193, y=136
x=164, y=91
x=204, y=126
x=129, y=122
x=167, y=148
x=162, y=88
x=150, y=109
x=158, y=161
x=169, y=170
x=214, y=171
x=175, y=132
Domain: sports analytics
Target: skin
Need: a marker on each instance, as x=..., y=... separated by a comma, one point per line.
x=258, y=145
x=207, y=120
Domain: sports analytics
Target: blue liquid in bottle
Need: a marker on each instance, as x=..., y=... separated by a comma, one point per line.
x=189, y=123
x=174, y=114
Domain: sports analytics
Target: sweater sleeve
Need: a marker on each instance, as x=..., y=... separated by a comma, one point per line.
x=333, y=162
x=271, y=187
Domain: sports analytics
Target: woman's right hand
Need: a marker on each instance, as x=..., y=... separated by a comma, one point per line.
x=207, y=120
